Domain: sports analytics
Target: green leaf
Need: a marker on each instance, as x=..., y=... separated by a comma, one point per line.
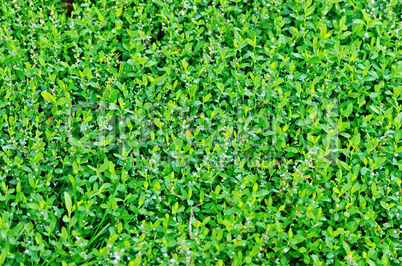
x=72, y=34
x=160, y=80
x=41, y=61
x=257, y=81
x=364, y=171
x=346, y=247
x=323, y=31
x=206, y=98
x=359, y=21
x=373, y=23
x=104, y=167
x=150, y=63
x=33, y=206
x=38, y=157
x=397, y=91
x=118, y=13
x=48, y=97
x=68, y=203
x=374, y=109
x=157, y=123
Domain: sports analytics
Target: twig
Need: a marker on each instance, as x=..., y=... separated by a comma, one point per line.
x=191, y=217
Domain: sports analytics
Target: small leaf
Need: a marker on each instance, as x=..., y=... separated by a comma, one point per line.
x=41, y=61
x=364, y=171
x=374, y=109
x=157, y=122
x=38, y=157
x=160, y=80
x=206, y=98
x=151, y=63
x=48, y=97
x=373, y=23
x=359, y=21
x=68, y=203
x=118, y=13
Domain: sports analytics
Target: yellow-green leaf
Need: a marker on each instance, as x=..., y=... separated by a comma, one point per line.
x=48, y=97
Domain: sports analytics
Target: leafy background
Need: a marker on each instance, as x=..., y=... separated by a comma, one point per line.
x=200, y=132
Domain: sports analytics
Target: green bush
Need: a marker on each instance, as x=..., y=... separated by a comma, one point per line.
x=200, y=132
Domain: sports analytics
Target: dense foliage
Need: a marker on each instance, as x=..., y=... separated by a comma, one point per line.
x=200, y=132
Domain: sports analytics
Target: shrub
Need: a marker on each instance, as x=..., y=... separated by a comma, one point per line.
x=200, y=132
